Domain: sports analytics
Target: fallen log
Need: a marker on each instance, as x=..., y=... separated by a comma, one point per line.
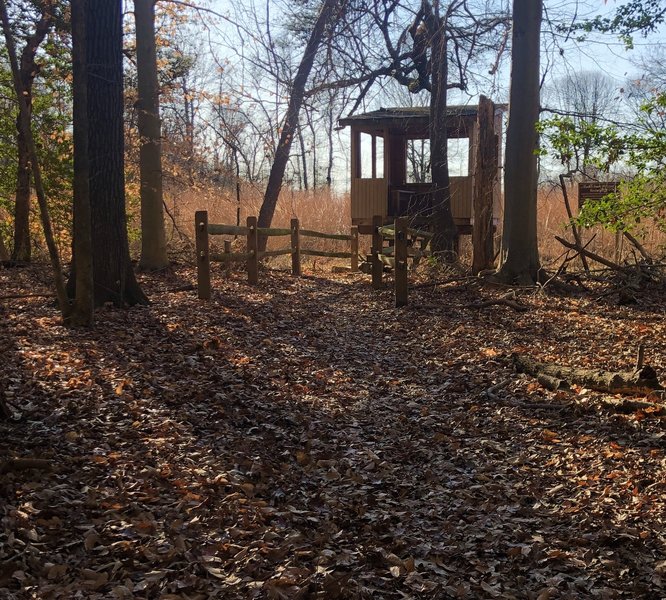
x=595, y=257
x=641, y=381
x=553, y=384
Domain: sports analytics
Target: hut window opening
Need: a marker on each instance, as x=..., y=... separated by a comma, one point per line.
x=372, y=156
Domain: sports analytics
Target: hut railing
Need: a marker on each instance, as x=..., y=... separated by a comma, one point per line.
x=402, y=239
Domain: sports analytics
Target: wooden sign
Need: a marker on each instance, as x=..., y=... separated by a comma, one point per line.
x=595, y=190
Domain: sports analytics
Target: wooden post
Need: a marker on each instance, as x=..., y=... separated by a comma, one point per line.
x=203, y=254
x=377, y=245
x=295, y=248
x=227, y=250
x=354, y=248
x=401, y=227
x=253, y=251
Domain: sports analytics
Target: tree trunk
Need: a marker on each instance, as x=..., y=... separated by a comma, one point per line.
x=304, y=159
x=28, y=70
x=521, y=263
x=291, y=119
x=485, y=177
x=21, y=250
x=82, y=251
x=153, y=236
x=446, y=232
x=114, y=279
x=26, y=132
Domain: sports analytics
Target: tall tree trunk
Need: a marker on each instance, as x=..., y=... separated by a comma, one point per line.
x=485, y=177
x=28, y=70
x=21, y=252
x=304, y=159
x=446, y=232
x=153, y=236
x=291, y=119
x=114, y=279
x=329, y=135
x=521, y=263
x=26, y=131
x=82, y=252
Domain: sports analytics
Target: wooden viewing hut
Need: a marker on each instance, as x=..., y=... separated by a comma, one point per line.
x=380, y=182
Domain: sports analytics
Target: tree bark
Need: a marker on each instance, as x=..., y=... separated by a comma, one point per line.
x=521, y=263
x=82, y=252
x=28, y=70
x=114, y=279
x=485, y=177
x=642, y=380
x=445, y=239
x=21, y=252
x=153, y=236
x=291, y=119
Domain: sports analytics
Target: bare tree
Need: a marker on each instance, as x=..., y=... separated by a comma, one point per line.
x=153, y=237
x=28, y=70
x=82, y=311
x=114, y=279
x=290, y=123
x=585, y=97
x=521, y=255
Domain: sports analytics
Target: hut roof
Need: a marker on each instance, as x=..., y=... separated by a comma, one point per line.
x=410, y=118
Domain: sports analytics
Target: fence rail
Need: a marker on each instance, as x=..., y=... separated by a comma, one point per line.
x=251, y=257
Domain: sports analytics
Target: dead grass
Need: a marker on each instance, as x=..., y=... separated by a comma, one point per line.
x=553, y=220
x=325, y=211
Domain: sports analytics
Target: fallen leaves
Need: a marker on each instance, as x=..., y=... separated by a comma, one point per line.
x=300, y=440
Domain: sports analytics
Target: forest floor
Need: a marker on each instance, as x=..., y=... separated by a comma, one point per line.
x=305, y=439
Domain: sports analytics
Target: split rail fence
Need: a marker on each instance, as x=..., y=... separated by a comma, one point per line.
x=402, y=247
x=404, y=244
x=253, y=255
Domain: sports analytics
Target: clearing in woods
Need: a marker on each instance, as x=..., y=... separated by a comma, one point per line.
x=305, y=439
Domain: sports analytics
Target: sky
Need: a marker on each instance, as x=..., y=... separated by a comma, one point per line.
x=562, y=55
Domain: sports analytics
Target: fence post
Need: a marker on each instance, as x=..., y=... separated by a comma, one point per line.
x=401, y=226
x=354, y=248
x=253, y=251
x=203, y=254
x=377, y=246
x=227, y=250
x=295, y=248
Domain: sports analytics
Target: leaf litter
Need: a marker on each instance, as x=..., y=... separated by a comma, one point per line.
x=304, y=439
